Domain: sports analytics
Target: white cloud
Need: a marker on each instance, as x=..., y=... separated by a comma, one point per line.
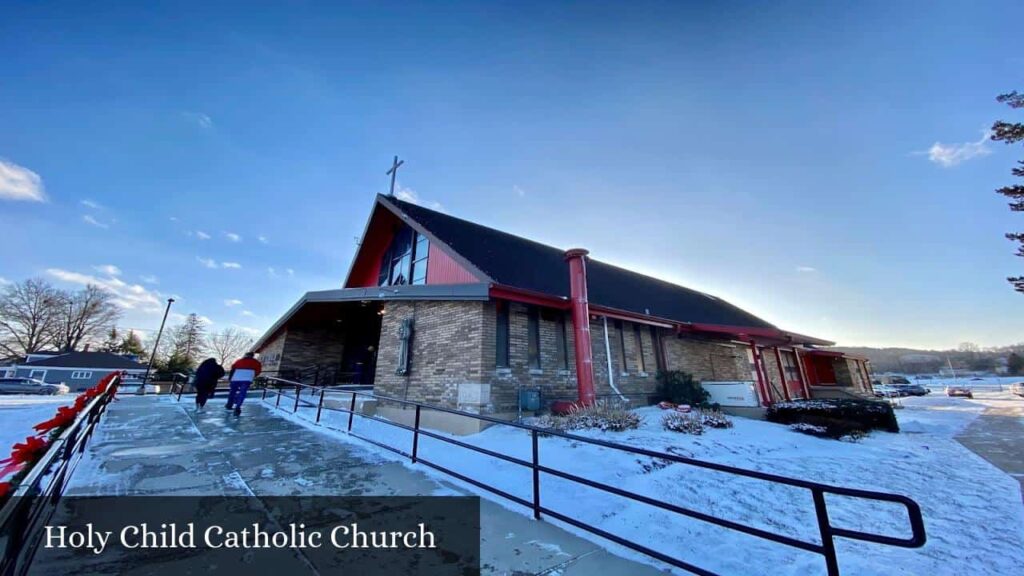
x=4, y=281
x=290, y=271
x=20, y=183
x=519, y=191
x=90, y=204
x=248, y=313
x=208, y=262
x=234, y=265
x=232, y=237
x=173, y=218
x=129, y=296
x=806, y=269
x=410, y=195
x=88, y=219
x=232, y=302
x=949, y=155
x=108, y=269
x=254, y=332
x=198, y=118
x=263, y=240
x=202, y=235
x=149, y=279
x=271, y=271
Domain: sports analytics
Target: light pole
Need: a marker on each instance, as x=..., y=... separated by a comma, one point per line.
x=152, y=357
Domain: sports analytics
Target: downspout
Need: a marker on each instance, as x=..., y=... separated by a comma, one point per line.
x=608, y=354
x=581, y=324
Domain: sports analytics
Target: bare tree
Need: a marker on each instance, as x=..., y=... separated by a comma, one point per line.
x=228, y=345
x=28, y=316
x=83, y=316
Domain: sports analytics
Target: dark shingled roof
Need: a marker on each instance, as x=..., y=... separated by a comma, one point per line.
x=89, y=360
x=520, y=263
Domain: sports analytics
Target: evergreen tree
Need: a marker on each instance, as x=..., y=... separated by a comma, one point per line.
x=113, y=342
x=1015, y=364
x=1011, y=133
x=132, y=344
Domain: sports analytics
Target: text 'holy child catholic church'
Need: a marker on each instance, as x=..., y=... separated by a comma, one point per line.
x=447, y=312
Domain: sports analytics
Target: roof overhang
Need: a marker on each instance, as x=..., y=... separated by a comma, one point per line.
x=378, y=293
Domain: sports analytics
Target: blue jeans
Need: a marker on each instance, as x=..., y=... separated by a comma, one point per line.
x=236, y=395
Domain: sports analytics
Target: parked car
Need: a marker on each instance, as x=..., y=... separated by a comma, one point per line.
x=30, y=386
x=886, y=391
x=911, y=390
x=959, y=391
x=1017, y=388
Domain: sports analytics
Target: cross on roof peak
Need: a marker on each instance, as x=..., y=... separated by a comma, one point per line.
x=393, y=171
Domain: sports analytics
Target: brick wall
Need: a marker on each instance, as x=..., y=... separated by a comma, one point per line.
x=446, y=350
x=304, y=347
x=706, y=360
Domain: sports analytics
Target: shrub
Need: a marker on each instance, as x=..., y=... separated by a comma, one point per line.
x=602, y=415
x=680, y=388
x=715, y=419
x=685, y=422
x=838, y=416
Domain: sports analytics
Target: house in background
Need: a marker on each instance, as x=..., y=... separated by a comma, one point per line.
x=77, y=370
x=448, y=312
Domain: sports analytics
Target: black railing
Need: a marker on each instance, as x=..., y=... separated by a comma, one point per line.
x=35, y=498
x=827, y=531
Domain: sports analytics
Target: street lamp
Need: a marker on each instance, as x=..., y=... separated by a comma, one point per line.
x=149, y=365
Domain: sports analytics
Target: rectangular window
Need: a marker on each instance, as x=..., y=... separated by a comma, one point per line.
x=533, y=338
x=659, y=353
x=76, y=375
x=640, y=364
x=623, y=366
x=501, y=335
x=562, y=341
x=790, y=367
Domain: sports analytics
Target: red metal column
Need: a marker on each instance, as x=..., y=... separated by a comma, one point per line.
x=782, y=372
x=766, y=397
x=577, y=259
x=800, y=373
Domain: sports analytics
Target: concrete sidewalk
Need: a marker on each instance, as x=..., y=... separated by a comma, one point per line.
x=155, y=446
x=998, y=436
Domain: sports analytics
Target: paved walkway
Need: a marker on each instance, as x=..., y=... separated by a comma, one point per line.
x=998, y=436
x=155, y=446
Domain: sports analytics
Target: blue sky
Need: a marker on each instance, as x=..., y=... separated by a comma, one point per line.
x=822, y=165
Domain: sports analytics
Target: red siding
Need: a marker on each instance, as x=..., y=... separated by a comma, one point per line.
x=378, y=236
x=442, y=269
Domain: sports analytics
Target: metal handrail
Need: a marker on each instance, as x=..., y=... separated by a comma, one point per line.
x=34, y=500
x=827, y=531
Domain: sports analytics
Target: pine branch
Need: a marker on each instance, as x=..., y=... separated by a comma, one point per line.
x=1015, y=236
x=1012, y=191
x=1007, y=132
x=1011, y=99
x=1018, y=283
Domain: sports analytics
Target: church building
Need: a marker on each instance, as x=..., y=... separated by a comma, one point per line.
x=448, y=312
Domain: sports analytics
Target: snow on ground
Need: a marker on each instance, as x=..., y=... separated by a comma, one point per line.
x=972, y=511
x=20, y=412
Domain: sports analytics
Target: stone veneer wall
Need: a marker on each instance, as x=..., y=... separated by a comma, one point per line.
x=707, y=360
x=272, y=352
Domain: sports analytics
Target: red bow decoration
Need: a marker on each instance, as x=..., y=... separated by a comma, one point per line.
x=65, y=416
x=24, y=452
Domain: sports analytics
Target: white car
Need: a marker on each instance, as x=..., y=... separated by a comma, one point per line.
x=31, y=386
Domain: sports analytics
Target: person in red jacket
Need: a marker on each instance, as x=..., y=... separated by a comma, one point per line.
x=243, y=372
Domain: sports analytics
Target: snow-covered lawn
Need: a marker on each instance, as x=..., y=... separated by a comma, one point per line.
x=973, y=512
x=19, y=413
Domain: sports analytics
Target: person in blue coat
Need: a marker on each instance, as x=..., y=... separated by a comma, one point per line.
x=205, y=382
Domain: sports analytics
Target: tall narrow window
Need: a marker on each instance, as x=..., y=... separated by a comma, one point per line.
x=659, y=353
x=623, y=366
x=533, y=338
x=640, y=364
x=501, y=335
x=419, y=259
x=562, y=341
